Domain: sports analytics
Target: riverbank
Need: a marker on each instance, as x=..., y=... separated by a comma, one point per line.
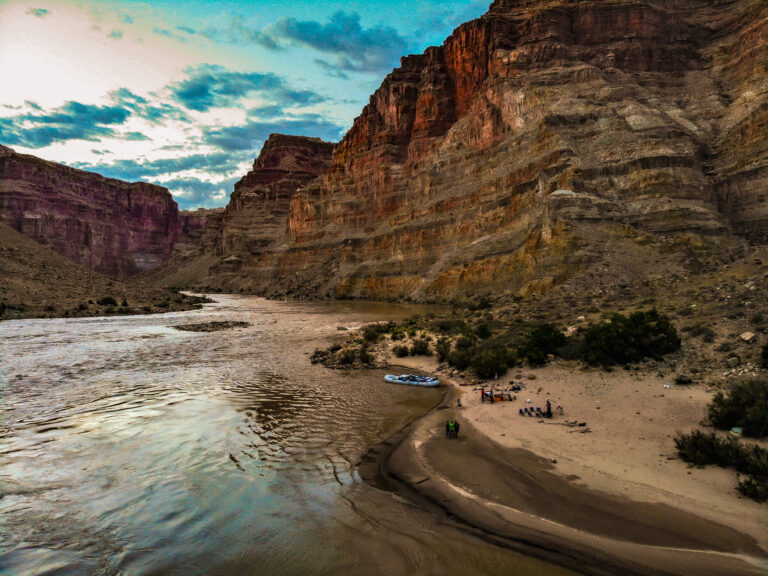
x=608, y=497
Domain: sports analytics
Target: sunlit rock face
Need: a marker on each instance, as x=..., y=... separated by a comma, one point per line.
x=483, y=164
x=108, y=225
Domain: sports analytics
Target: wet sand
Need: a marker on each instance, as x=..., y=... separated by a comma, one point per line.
x=523, y=501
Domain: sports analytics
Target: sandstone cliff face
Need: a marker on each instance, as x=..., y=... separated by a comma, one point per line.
x=484, y=164
x=104, y=224
x=237, y=248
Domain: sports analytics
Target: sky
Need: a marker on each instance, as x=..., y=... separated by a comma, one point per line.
x=184, y=93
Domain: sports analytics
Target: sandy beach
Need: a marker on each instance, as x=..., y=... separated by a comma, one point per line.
x=609, y=496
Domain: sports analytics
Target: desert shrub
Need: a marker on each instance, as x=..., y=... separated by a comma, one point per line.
x=400, y=350
x=702, y=449
x=347, y=357
x=373, y=332
x=541, y=340
x=125, y=302
x=420, y=347
x=443, y=348
x=758, y=318
x=50, y=308
x=746, y=406
x=460, y=358
x=82, y=306
x=464, y=343
x=482, y=330
x=764, y=355
x=107, y=301
x=365, y=356
x=397, y=335
x=490, y=361
x=449, y=326
x=754, y=488
x=2, y=308
x=630, y=339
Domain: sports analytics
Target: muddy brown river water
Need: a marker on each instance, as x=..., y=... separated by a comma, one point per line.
x=129, y=447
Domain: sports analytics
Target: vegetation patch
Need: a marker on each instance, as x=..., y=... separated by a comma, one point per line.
x=700, y=449
x=746, y=407
x=624, y=339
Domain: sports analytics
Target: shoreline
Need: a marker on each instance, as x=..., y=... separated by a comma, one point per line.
x=517, y=498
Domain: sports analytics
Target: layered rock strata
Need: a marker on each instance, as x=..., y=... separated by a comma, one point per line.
x=238, y=248
x=483, y=164
x=114, y=227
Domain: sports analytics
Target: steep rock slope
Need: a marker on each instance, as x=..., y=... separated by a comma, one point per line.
x=237, y=247
x=487, y=164
x=114, y=227
x=35, y=281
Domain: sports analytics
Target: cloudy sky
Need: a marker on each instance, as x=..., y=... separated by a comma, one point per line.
x=183, y=93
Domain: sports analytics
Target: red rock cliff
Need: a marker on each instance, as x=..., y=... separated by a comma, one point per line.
x=105, y=224
x=237, y=249
x=483, y=163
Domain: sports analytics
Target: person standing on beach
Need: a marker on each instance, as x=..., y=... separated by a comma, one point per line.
x=456, y=429
x=451, y=428
x=447, y=429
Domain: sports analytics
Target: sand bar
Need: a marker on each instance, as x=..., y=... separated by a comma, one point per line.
x=608, y=497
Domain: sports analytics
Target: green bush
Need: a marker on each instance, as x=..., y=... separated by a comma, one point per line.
x=460, y=358
x=365, y=356
x=541, y=341
x=746, y=406
x=490, y=361
x=702, y=449
x=624, y=340
x=443, y=348
x=373, y=332
x=400, y=350
x=482, y=330
x=449, y=326
x=107, y=301
x=753, y=488
x=420, y=347
x=347, y=357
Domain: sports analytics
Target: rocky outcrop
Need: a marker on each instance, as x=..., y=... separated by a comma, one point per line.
x=486, y=163
x=111, y=226
x=237, y=249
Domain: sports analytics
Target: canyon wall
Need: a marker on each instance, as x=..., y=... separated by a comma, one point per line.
x=237, y=248
x=486, y=164
x=107, y=225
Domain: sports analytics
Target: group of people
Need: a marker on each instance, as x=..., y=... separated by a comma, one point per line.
x=452, y=429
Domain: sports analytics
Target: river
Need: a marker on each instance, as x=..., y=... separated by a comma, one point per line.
x=130, y=447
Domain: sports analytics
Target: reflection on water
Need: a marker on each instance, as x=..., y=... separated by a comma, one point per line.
x=128, y=447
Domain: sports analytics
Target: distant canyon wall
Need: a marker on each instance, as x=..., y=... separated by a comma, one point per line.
x=495, y=162
x=481, y=164
x=114, y=227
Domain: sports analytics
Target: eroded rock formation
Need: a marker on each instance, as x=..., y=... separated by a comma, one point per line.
x=238, y=247
x=484, y=164
x=107, y=225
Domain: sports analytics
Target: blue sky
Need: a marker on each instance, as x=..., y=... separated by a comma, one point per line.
x=184, y=93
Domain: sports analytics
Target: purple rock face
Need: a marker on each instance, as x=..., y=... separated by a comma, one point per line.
x=111, y=226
